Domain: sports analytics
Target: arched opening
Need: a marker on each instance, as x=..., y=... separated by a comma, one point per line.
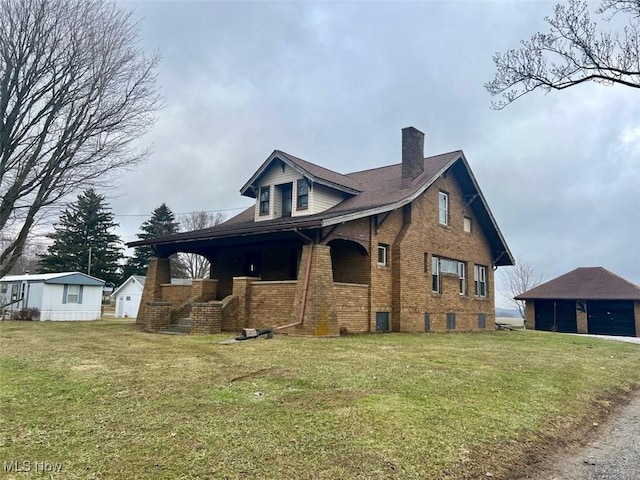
x=350, y=262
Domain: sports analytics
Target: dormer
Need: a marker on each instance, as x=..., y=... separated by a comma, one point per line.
x=286, y=186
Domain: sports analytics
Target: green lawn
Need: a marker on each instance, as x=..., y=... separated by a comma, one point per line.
x=106, y=401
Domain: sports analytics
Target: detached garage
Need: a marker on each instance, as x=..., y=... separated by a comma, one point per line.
x=585, y=300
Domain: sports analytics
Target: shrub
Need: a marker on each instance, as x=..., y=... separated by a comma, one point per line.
x=26, y=314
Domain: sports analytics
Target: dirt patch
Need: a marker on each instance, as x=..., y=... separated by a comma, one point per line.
x=537, y=457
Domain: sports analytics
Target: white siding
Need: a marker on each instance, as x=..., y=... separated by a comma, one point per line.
x=53, y=309
x=322, y=198
x=34, y=294
x=128, y=299
x=276, y=176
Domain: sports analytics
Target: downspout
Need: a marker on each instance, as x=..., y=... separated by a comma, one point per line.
x=305, y=285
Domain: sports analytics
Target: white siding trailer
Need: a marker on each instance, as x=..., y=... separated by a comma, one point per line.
x=66, y=296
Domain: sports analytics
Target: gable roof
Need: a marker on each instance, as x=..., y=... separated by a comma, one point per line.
x=584, y=283
x=381, y=190
x=315, y=173
x=139, y=279
x=70, y=278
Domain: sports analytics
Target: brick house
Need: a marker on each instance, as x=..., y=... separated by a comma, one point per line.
x=409, y=247
x=585, y=300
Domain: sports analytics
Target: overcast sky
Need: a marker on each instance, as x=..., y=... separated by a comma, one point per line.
x=334, y=83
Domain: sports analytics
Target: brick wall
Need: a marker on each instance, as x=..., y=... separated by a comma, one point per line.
x=581, y=317
x=320, y=316
x=206, y=318
x=205, y=289
x=352, y=305
x=158, y=272
x=176, y=294
x=530, y=315
x=271, y=303
x=158, y=315
x=403, y=286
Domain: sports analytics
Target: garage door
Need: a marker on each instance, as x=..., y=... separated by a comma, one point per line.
x=611, y=318
x=556, y=316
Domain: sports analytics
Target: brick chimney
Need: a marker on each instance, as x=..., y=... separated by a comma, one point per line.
x=412, y=155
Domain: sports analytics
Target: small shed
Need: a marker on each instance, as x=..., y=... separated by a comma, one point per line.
x=128, y=296
x=585, y=300
x=58, y=296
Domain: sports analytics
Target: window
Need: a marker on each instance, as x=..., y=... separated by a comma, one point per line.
x=435, y=274
x=448, y=266
x=482, y=320
x=451, y=321
x=427, y=322
x=382, y=254
x=264, y=200
x=443, y=208
x=480, y=280
x=382, y=321
x=73, y=294
x=462, y=275
x=467, y=224
x=303, y=194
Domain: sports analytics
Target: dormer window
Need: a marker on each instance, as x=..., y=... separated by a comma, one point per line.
x=264, y=200
x=302, y=188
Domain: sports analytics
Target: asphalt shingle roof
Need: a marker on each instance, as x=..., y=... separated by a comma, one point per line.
x=585, y=283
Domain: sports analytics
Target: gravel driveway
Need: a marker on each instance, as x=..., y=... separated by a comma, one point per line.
x=612, y=454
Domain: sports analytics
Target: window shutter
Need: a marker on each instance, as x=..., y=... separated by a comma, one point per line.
x=80, y=294
x=64, y=293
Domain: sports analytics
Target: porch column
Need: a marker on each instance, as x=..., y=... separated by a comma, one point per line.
x=158, y=272
x=530, y=314
x=315, y=295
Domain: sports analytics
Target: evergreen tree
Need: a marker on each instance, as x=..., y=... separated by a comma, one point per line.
x=83, y=242
x=161, y=223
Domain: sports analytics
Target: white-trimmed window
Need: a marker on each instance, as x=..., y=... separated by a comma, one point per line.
x=73, y=294
x=480, y=280
x=435, y=274
x=383, y=254
x=443, y=208
x=467, y=224
x=302, y=188
x=462, y=276
x=264, y=200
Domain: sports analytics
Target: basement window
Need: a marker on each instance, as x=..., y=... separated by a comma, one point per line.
x=383, y=257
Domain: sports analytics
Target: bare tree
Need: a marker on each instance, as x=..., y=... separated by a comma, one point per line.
x=521, y=277
x=29, y=260
x=76, y=92
x=198, y=266
x=573, y=52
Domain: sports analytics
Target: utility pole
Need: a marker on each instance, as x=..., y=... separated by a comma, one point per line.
x=89, y=265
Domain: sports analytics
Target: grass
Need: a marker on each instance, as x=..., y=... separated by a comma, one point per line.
x=108, y=402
